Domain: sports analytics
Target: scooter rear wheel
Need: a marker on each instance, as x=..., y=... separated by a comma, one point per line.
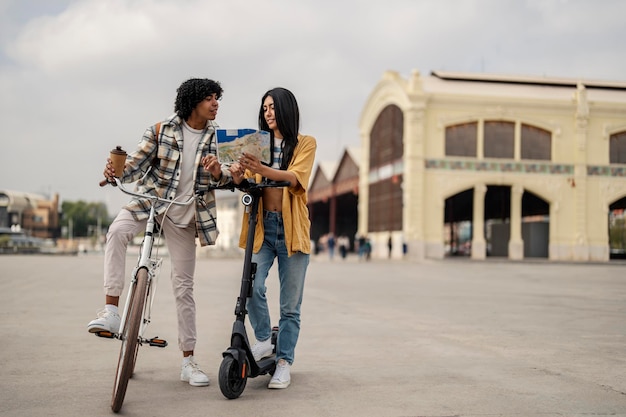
x=232, y=383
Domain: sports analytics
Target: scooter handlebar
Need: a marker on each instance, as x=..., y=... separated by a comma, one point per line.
x=249, y=184
x=277, y=184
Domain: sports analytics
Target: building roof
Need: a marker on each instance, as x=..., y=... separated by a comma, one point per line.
x=525, y=79
x=19, y=201
x=355, y=153
x=328, y=168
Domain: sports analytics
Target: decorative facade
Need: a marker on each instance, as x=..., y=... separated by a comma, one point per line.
x=535, y=166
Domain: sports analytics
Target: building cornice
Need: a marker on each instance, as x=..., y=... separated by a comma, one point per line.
x=528, y=80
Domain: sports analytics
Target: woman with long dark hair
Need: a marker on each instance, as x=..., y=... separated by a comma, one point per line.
x=283, y=229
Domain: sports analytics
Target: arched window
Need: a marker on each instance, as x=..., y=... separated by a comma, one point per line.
x=499, y=139
x=385, y=189
x=386, y=138
x=617, y=148
x=536, y=143
x=461, y=139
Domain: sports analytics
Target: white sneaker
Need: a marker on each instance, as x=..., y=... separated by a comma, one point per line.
x=281, y=378
x=107, y=321
x=191, y=372
x=262, y=349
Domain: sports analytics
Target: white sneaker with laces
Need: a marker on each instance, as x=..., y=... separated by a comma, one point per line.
x=107, y=321
x=281, y=378
x=191, y=372
x=262, y=349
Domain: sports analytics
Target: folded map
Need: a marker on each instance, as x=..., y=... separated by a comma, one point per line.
x=231, y=143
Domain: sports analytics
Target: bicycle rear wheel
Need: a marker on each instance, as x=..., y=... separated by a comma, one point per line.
x=130, y=339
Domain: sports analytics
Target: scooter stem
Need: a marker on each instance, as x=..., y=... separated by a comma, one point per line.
x=249, y=268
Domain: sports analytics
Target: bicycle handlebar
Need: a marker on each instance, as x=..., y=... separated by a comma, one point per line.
x=105, y=182
x=245, y=185
x=125, y=190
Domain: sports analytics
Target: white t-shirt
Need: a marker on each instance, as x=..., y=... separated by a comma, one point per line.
x=181, y=216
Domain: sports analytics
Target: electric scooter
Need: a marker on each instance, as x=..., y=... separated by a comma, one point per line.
x=238, y=363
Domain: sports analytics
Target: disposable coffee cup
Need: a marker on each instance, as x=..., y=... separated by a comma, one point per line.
x=118, y=159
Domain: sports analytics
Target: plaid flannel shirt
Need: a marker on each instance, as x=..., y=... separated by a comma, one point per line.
x=155, y=166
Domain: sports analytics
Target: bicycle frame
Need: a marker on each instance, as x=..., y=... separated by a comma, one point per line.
x=152, y=265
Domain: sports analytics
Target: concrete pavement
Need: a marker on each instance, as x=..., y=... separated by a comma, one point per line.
x=382, y=338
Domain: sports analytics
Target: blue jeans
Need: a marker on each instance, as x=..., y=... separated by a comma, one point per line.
x=291, y=273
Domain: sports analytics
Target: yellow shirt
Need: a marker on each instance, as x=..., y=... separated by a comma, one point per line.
x=295, y=211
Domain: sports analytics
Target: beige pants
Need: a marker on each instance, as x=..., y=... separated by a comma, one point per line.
x=181, y=244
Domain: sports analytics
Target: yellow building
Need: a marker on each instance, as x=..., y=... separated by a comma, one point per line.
x=533, y=165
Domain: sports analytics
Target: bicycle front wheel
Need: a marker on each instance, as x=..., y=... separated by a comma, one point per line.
x=130, y=339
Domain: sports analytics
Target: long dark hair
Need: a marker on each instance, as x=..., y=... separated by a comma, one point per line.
x=192, y=92
x=287, y=117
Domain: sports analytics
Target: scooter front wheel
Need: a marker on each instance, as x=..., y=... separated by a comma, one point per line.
x=232, y=383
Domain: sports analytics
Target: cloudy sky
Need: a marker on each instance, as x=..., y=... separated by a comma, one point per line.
x=78, y=77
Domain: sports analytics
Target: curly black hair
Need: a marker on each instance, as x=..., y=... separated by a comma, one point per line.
x=192, y=92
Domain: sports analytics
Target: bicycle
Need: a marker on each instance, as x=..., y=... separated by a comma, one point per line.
x=137, y=310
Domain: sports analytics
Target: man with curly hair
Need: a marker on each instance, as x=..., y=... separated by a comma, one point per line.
x=168, y=162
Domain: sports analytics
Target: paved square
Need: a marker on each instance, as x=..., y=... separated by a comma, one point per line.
x=382, y=338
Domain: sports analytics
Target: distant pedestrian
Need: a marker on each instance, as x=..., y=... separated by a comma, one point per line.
x=361, y=243
x=368, y=249
x=330, y=243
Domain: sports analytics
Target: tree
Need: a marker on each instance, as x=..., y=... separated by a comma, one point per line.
x=84, y=217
